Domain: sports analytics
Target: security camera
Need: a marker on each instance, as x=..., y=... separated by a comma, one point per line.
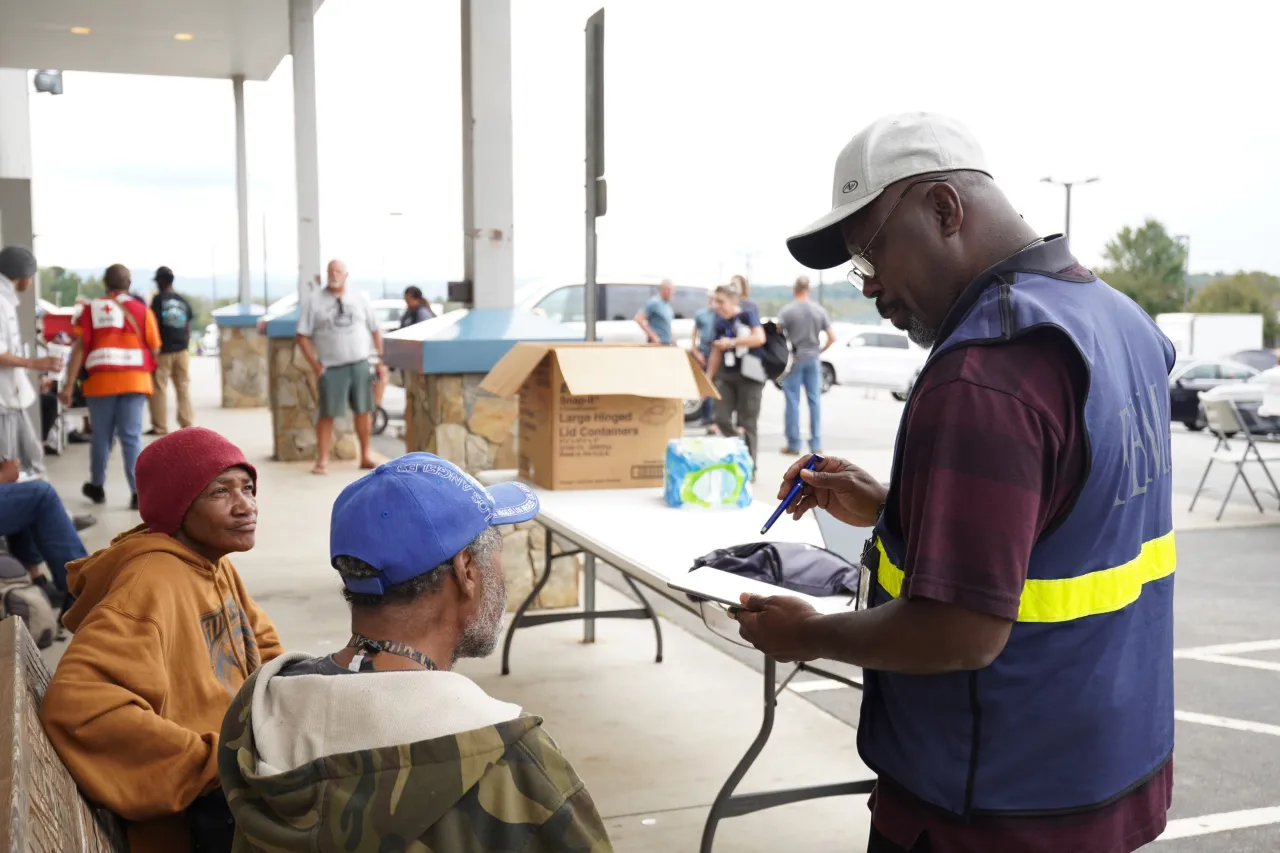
x=49, y=82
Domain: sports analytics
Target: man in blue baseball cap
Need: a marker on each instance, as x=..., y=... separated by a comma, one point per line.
x=382, y=735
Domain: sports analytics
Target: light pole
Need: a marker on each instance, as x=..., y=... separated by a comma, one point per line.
x=266, y=287
x=1068, y=185
x=1184, y=240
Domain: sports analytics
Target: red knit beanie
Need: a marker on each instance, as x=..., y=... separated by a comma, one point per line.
x=173, y=470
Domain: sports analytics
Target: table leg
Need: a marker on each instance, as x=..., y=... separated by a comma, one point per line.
x=518, y=617
x=653, y=615
x=588, y=596
x=766, y=728
x=728, y=804
x=589, y=614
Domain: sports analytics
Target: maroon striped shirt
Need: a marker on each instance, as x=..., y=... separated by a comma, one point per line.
x=994, y=454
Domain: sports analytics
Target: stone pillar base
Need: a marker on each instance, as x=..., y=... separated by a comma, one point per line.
x=294, y=407
x=242, y=354
x=450, y=416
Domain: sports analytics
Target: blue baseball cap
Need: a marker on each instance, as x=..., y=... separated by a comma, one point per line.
x=411, y=514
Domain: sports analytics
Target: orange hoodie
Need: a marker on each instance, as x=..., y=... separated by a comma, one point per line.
x=163, y=641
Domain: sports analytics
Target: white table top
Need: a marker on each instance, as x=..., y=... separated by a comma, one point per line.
x=636, y=532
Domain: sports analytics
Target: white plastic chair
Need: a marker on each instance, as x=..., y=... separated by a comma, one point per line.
x=1224, y=419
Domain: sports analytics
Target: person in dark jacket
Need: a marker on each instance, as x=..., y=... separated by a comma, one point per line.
x=417, y=309
x=173, y=315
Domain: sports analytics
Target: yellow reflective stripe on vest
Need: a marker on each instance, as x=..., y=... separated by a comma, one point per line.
x=1103, y=591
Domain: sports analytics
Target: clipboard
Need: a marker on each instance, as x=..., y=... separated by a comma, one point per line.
x=725, y=588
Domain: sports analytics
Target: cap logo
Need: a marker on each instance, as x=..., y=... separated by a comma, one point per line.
x=849, y=187
x=476, y=492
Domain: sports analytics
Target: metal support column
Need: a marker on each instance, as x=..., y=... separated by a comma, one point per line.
x=487, y=171
x=302, y=41
x=242, y=188
x=589, y=597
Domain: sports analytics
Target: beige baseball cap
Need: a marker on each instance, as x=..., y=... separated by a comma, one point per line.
x=892, y=149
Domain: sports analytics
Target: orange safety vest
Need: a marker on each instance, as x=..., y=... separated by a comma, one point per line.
x=114, y=334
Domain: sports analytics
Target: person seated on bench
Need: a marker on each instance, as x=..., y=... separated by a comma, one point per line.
x=165, y=634
x=38, y=529
x=381, y=741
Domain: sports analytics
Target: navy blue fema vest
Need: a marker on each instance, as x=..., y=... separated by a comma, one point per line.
x=1077, y=710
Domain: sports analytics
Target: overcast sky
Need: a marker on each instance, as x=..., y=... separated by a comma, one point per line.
x=723, y=122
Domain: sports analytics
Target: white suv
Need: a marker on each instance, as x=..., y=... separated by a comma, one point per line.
x=874, y=357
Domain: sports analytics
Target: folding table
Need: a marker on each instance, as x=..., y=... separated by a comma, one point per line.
x=649, y=543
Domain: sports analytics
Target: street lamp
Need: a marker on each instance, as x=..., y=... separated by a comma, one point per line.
x=1068, y=185
x=1184, y=240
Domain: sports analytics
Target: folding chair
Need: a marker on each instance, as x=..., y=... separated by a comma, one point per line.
x=1224, y=419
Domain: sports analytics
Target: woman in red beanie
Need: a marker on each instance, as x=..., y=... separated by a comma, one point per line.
x=165, y=634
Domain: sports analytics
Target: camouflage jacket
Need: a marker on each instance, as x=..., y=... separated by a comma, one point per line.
x=500, y=788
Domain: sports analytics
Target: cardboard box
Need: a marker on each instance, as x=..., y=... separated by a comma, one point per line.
x=597, y=416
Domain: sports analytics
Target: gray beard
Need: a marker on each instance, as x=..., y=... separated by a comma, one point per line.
x=480, y=637
x=920, y=334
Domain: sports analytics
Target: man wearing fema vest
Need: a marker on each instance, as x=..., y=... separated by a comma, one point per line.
x=1018, y=652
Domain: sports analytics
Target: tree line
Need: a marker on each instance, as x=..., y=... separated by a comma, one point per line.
x=1149, y=266
x=1146, y=263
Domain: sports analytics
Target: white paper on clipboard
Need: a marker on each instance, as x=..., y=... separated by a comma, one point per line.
x=725, y=588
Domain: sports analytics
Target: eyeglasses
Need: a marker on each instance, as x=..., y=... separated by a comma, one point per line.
x=863, y=269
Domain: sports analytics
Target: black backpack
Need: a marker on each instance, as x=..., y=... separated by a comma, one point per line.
x=775, y=355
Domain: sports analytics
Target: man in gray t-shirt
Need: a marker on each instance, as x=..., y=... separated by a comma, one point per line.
x=803, y=322
x=337, y=332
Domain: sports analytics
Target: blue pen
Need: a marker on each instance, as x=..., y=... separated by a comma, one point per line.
x=813, y=463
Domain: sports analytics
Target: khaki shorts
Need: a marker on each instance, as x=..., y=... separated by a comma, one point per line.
x=346, y=385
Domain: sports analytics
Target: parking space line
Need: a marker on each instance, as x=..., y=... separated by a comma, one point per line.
x=817, y=685
x=1190, y=827
x=1229, y=649
x=1227, y=723
x=1250, y=663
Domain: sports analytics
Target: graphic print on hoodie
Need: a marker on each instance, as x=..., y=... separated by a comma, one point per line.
x=227, y=643
x=163, y=640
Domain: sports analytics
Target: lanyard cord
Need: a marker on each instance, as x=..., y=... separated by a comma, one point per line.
x=366, y=647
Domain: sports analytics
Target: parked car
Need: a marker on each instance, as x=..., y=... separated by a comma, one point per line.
x=1189, y=378
x=383, y=308
x=620, y=299
x=389, y=312
x=873, y=357
x=1259, y=359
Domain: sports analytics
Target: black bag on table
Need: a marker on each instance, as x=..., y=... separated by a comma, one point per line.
x=795, y=566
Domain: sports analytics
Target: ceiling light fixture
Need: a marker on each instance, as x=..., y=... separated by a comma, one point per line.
x=80, y=31
x=183, y=37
